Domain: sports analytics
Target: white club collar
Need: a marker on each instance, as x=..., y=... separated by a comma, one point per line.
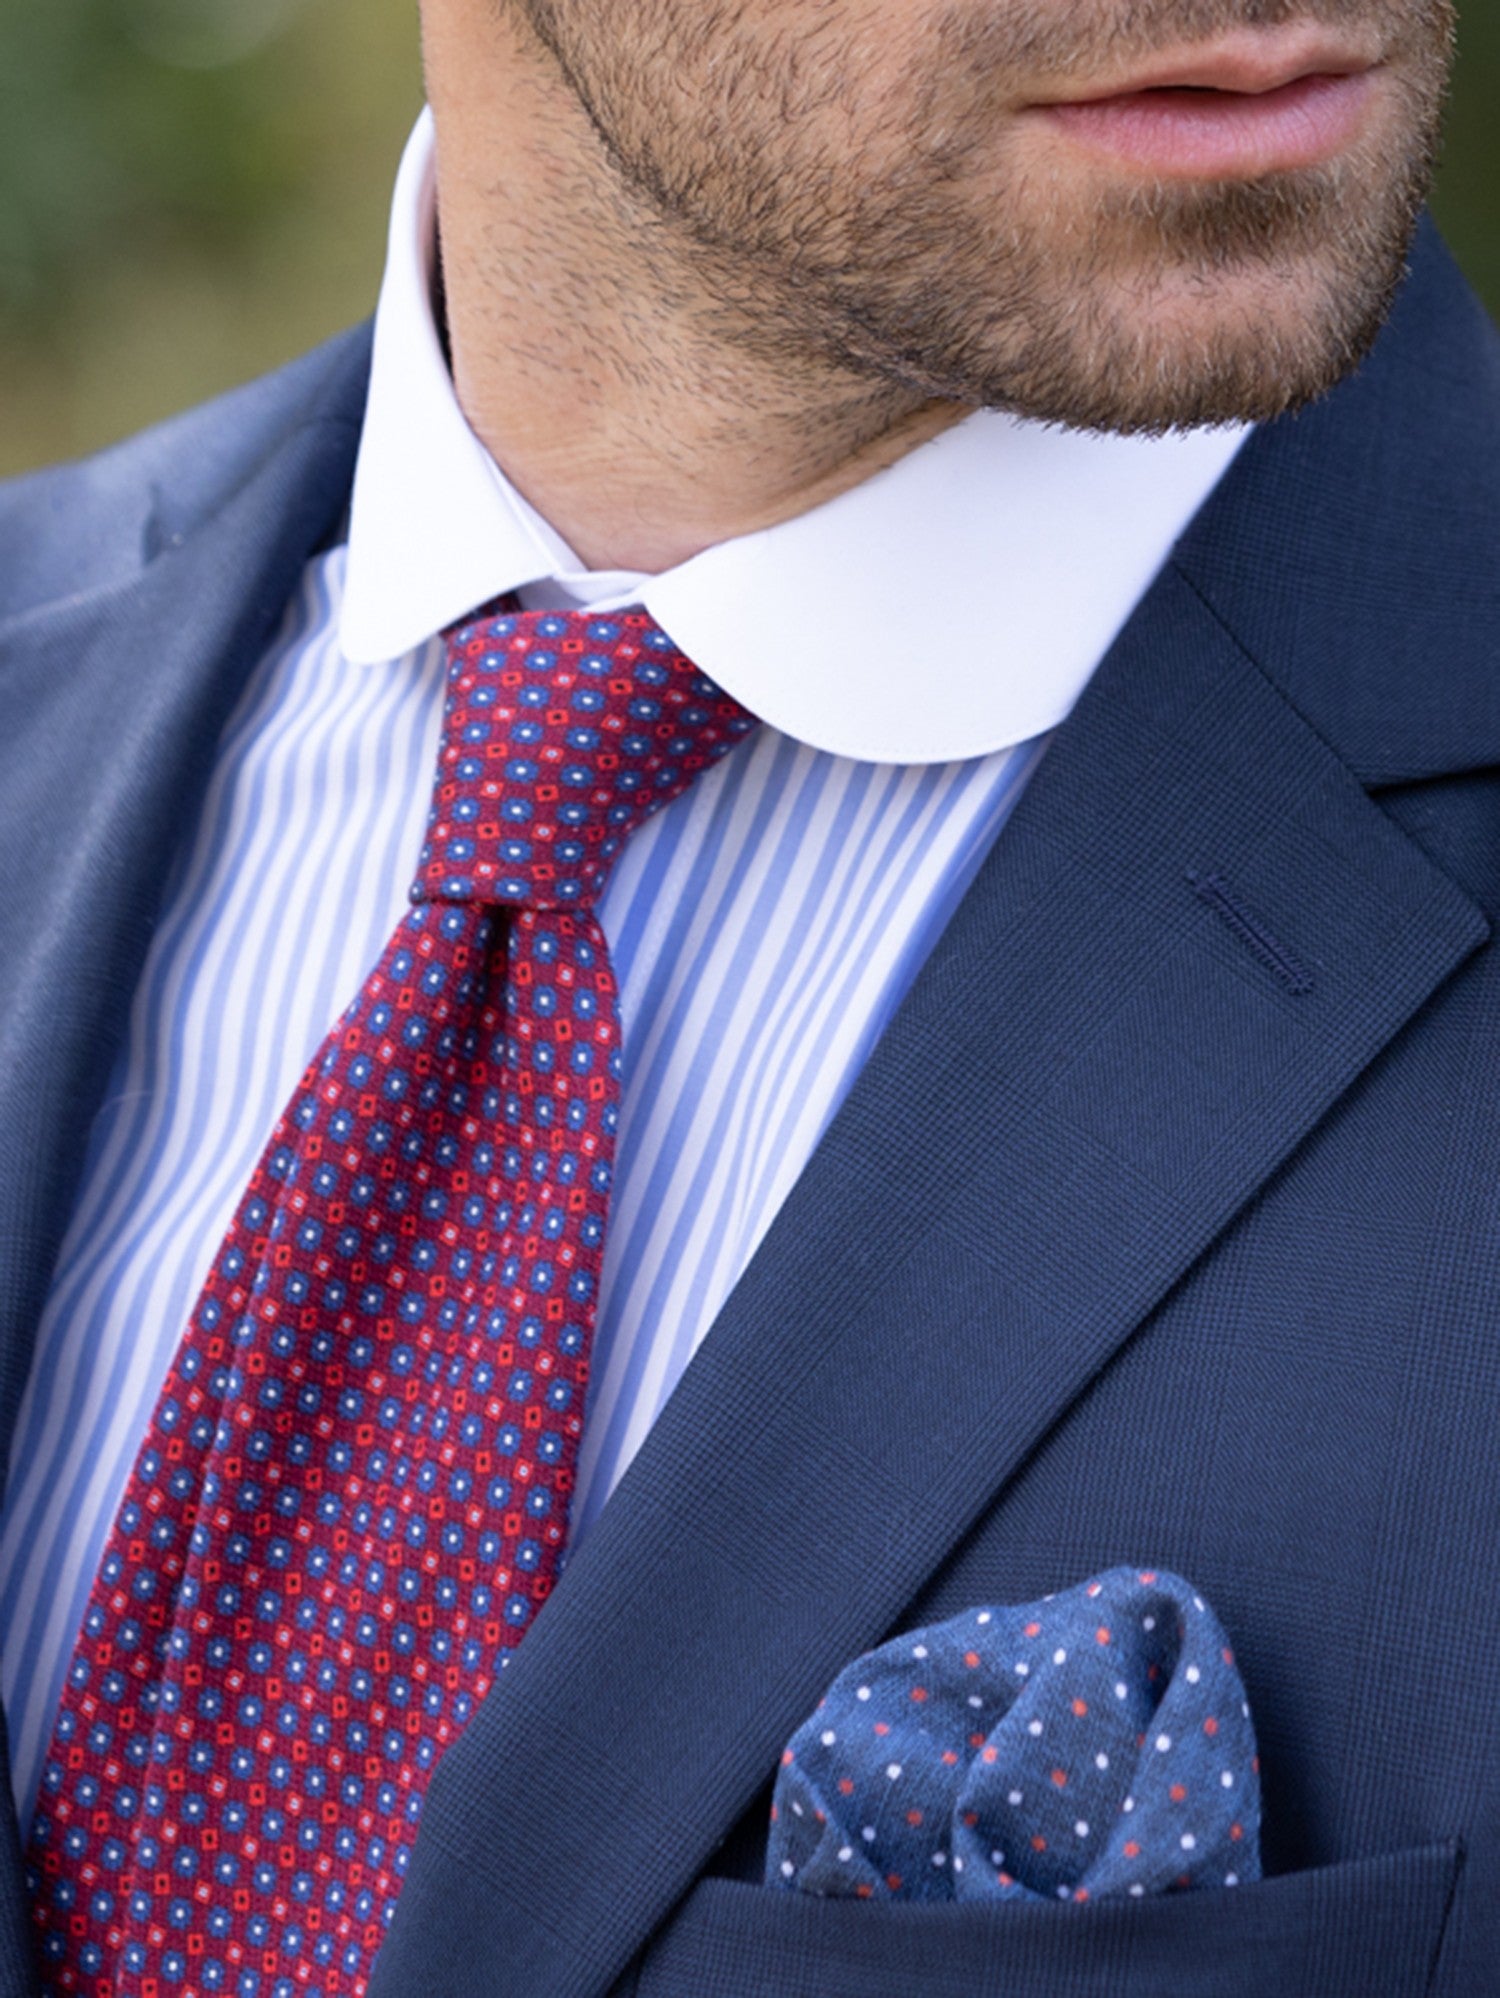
x=952, y=605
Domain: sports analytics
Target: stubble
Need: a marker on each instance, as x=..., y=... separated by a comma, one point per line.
x=848, y=205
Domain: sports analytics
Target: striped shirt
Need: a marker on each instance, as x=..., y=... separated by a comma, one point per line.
x=763, y=929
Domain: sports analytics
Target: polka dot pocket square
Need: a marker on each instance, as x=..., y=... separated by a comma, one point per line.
x=1097, y=1743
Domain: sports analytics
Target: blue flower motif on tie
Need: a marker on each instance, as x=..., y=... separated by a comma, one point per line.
x=1097, y=1743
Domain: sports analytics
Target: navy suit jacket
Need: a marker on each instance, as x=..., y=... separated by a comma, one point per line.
x=1162, y=1227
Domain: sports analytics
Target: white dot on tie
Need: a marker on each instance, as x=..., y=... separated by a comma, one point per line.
x=919, y=1651
x=1014, y=1797
x=975, y=1700
x=1163, y=1743
x=985, y=1616
x=940, y=1859
x=1231, y=1880
x=893, y=1770
x=1022, y=1668
x=1188, y=1841
x=863, y=1693
x=958, y=1866
x=997, y=1859
x=1227, y=1779
x=797, y=1808
x=1101, y=1760
x=1128, y=1805
x=1119, y=1689
x=846, y=1853
x=1148, y=1623
x=1062, y=1893
x=1033, y=1727
x=828, y=1737
x=868, y=1834
x=1193, y=1675
x=787, y=1869
x=1138, y=1889
x=1081, y=1829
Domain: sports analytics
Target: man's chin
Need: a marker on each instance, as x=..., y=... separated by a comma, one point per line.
x=1183, y=342
x=1236, y=348
x=1225, y=302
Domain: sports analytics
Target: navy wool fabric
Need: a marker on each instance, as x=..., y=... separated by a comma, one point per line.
x=1097, y=1742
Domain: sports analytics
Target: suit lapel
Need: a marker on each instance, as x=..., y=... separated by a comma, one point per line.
x=1196, y=932
x=114, y=704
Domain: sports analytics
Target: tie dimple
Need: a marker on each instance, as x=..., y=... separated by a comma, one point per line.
x=353, y=1495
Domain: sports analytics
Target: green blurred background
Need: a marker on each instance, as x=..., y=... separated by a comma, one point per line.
x=194, y=190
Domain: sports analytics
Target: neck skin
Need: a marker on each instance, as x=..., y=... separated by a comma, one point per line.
x=620, y=392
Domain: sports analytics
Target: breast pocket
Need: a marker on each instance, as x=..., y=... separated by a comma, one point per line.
x=1370, y=1928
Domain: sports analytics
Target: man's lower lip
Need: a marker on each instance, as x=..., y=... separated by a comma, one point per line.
x=1222, y=133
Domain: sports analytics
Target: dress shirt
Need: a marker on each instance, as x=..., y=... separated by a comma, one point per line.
x=930, y=626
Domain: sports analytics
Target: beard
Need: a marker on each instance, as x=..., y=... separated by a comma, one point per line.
x=852, y=191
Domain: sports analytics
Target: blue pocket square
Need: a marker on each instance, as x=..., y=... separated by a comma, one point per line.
x=1096, y=1743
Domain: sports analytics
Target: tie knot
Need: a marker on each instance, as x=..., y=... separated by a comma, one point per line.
x=563, y=731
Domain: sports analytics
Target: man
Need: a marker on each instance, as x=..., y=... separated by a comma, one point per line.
x=1055, y=1126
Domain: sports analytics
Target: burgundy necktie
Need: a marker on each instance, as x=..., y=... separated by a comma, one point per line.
x=354, y=1491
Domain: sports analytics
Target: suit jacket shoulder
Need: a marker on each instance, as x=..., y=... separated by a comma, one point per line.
x=72, y=529
x=1353, y=550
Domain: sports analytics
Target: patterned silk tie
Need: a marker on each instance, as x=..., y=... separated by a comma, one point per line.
x=354, y=1492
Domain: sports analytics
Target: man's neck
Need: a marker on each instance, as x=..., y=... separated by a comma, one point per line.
x=625, y=393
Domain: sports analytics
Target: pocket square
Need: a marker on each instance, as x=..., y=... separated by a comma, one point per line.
x=1095, y=1743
